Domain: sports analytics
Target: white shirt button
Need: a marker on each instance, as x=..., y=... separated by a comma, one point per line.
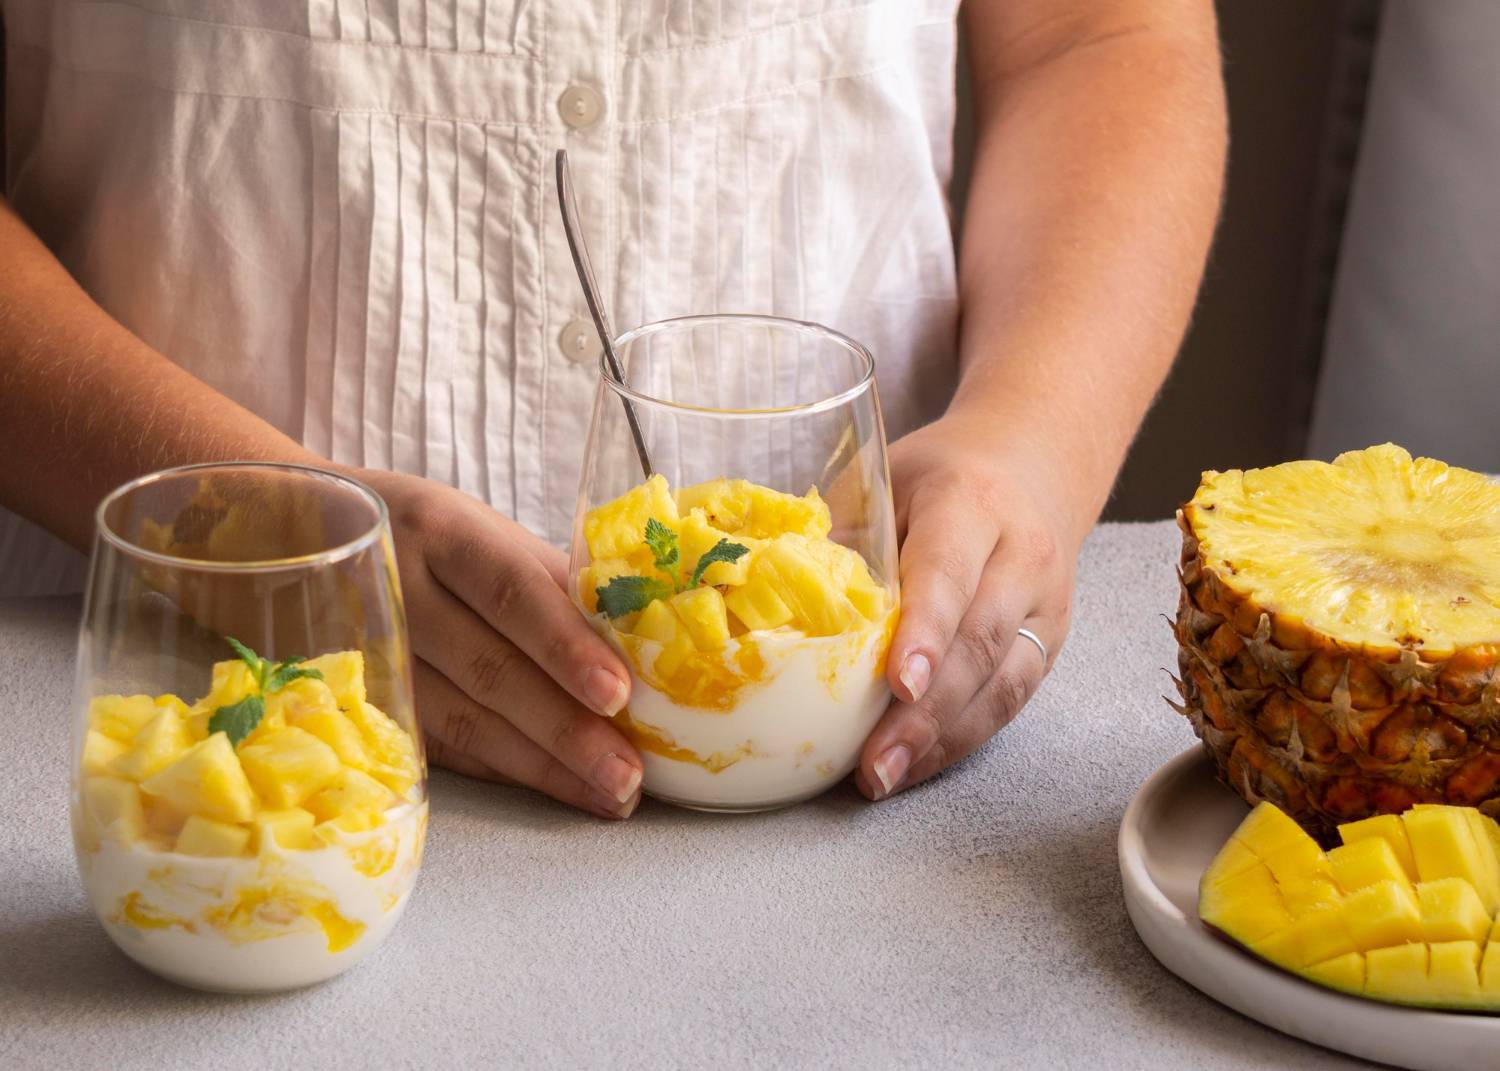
x=580, y=106
x=579, y=341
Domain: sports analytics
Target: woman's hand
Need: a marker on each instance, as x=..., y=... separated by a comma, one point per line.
x=511, y=682
x=987, y=547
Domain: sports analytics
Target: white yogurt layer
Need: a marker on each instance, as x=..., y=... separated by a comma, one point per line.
x=277, y=921
x=792, y=730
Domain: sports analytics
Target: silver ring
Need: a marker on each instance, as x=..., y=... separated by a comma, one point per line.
x=1034, y=638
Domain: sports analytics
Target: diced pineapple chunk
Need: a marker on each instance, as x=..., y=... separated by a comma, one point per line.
x=1382, y=914
x=204, y=836
x=868, y=597
x=1443, y=846
x=288, y=766
x=1365, y=862
x=344, y=673
x=231, y=682
x=658, y=622
x=310, y=705
x=100, y=750
x=115, y=804
x=788, y=569
x=739, y=507
x=290, y=829
x=674, y=655
x=159, y=742
x=702, y=613
x=725, y=504
x=393, y=754
x=616, y=529
x=1452, y=911
x=598, y=574
x=354, y=800
x=697, y=537
x=121, y=716
x=206, y=780
x=758, y=606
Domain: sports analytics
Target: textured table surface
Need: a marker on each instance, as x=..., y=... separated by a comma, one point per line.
x=976, y=921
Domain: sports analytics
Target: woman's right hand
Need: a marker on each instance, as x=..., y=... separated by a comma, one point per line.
x=511, y=682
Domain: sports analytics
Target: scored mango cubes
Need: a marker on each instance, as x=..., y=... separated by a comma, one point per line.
x=1403, y=911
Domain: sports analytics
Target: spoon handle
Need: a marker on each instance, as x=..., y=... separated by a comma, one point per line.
x=580, y=250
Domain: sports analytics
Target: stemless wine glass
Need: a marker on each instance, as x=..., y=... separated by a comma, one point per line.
x=248, y=787
x=758, y=669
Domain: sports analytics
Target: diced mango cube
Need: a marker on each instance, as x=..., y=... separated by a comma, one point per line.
x=1489, y=969
x=757, y=606
x=1443, y=846
x=1346, y=972
x=344, y=673
x=1319, y=935
x=1452, y=911
x=1365, y=862
x=204, y=836
x=354, y=797
x=121, y=716
x=1308, y=894
x=618, y=528
x=290, y=829
x=1453, y=971
x=1386, y=827
x=1397, y=973
x=288, y=766
x=100, y=750
x=1385, y=913
x=115, y=804
x=1247, y=905
x=1299, y=860
x=702, y=612
x=159, y=742
x=1267, y=829
x=206, y=780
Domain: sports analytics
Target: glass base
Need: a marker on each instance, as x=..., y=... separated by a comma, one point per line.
x=735, y=808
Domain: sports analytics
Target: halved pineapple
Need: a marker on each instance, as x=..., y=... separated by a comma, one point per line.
x=1338, y=631
x=1420, y=936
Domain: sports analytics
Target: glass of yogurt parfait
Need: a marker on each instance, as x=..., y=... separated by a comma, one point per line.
x=248, y=789
x=735, y=542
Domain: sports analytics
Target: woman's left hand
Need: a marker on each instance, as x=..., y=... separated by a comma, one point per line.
x=987, y=547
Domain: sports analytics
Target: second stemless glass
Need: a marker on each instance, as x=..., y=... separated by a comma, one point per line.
x=248, y=790
x=774, y=714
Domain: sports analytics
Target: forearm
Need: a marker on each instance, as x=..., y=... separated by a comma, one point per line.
x=85, y=405
x=1096, y=184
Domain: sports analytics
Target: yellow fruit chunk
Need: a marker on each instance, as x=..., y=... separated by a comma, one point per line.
x=618, y=528
x=1489, y=971
x=740, y=507
x=1346, y=972
x=702, y=613
x=1386, y=827
x=1385, y=913
x=868, y=597
x=310, y=705
x=288, y=766
x=757, y=606
x=1453, y=972
x=160, y=741
x=697, y=537
x=344, y=674
x=290, y=829
x=206, y=780
x=115, y=804
x=100, y=750
x=354, y=800
x=1247, y=905
x=393, y=755
x=1398, y=974
x=1318, y=935
x=121, y=716
x=1306, y=894
x=204, y=836
x=658, y=622
x=785, y=565
x=1266, y=830
x=598, y=574
x=1443, y=845
x=1452, y=911
x=1365, y=862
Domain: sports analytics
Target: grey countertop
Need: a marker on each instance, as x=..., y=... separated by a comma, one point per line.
x=975, y=921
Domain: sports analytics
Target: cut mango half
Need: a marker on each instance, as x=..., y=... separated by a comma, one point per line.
x=1404, y=911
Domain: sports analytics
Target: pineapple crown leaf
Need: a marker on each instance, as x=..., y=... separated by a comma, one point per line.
x=238, y=720
x=722, y=551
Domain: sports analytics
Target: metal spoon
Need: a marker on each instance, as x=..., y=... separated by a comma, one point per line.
x=580, y=251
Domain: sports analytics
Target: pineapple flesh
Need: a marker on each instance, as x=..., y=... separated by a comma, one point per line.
x=1338, y=633
x=1407, y=912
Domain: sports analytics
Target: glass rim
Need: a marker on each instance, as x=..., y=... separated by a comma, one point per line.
x=784, y=323
x=264, y=565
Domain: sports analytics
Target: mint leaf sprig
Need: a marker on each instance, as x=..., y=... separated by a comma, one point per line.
x=627, y=594
x=238, y=720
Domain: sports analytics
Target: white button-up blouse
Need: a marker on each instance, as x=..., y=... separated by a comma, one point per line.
x=340, y=213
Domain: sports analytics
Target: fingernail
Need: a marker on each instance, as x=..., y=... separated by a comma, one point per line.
x=606, y=692
x=607, y=807
x=916, y=672
x=891, y=767
x=616, y=778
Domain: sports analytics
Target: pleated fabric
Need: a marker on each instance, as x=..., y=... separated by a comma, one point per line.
x=341, y=212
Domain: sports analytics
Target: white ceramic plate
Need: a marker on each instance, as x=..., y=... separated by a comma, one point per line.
x=1171, y=831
